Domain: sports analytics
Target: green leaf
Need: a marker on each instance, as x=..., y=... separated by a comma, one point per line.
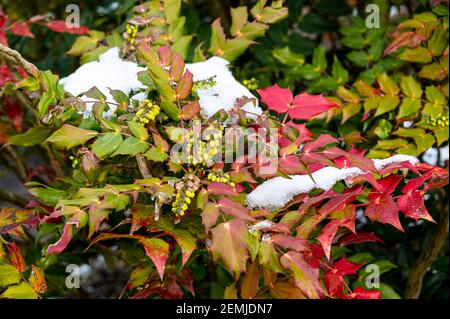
x=106, y=144
x=408, y=107
x=20, y=291
x=239, y=17
x=386, y=104
x=234, y=48
x=94, y=54
x=383, y=129
x=424, y=142
x=418, y=55
x=138, y=130
x=172, y=9
x=131, y=146
x=156, y=155
x=433, y=71
x=47, y=99
x=69, y=136
x=35, y=135
x=82, y=44
x=441, y=135
x=171, y=109
x=8, y=275
x=319, y=59
x=339, y=73
x=387, y=85
x=387, y=292
x=410, y=87
x=287, y=57
x=360, y=58
x=438, y=41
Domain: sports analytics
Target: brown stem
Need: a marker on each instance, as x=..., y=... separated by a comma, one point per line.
x=16, y=58
x=429, y=253
x=15, y=162
x=13, y=198
x=143, y=167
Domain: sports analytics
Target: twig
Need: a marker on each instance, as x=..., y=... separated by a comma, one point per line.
x=143, y=167
x=429, y=253
x=13, y=198
x=15, y=161
x=16, y=58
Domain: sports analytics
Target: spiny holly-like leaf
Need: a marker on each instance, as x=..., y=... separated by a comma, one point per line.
x=15, y=256
x=383, y=209
x=234, y=209
x=327, y=234
x=217, y=188
x=62, y=243
x=189, y=111
x=360, y=237
x=276, y=98
x=306, y=277
x=69, y=136
x=185, y=241
x=61, y=26
x=229, y=244
x=250, y=282
x=413, y=206
x=184, y=85
x=361, y=293
x=37, y=279
x=158, y=251
x=21, y=28
x=20, y=291
x=209, y=215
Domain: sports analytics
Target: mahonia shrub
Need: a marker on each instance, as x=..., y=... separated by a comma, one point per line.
x=204, y=190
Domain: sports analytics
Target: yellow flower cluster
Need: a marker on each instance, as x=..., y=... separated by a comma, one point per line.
x=203, y=152
x=186, y=189
x=147, y=112
x=438, y=121
x=74, y=160
x=251, y=84
x=131, y=32
x=221, y=177
x=204, y=84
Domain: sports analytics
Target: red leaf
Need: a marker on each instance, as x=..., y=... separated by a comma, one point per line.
x=165, y=55
x=383, y=209
x=306, y=277
x=61, y=26
x=13, y=112
x=190, y=110
x=184, y=85
x=288, y=242
x=6, y=75
x=158, y=251
x=234, y=209
x=15, y=256
x=327, y=234
x=359, y=238
x=307, y=106
x=276, y=98
x=334, y=283
x=62, y=243
x=21, y=28
x=321, y=141
x=412, y=206
x=361, y=293
x=389, y=183
x=177, y=68
x=344, y=267
x=217, y=188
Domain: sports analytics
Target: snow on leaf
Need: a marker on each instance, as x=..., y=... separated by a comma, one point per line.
x=229, y=244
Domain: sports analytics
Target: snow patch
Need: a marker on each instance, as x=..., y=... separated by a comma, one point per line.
x=275, y=193
x=109, y=72
x=224, y=93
